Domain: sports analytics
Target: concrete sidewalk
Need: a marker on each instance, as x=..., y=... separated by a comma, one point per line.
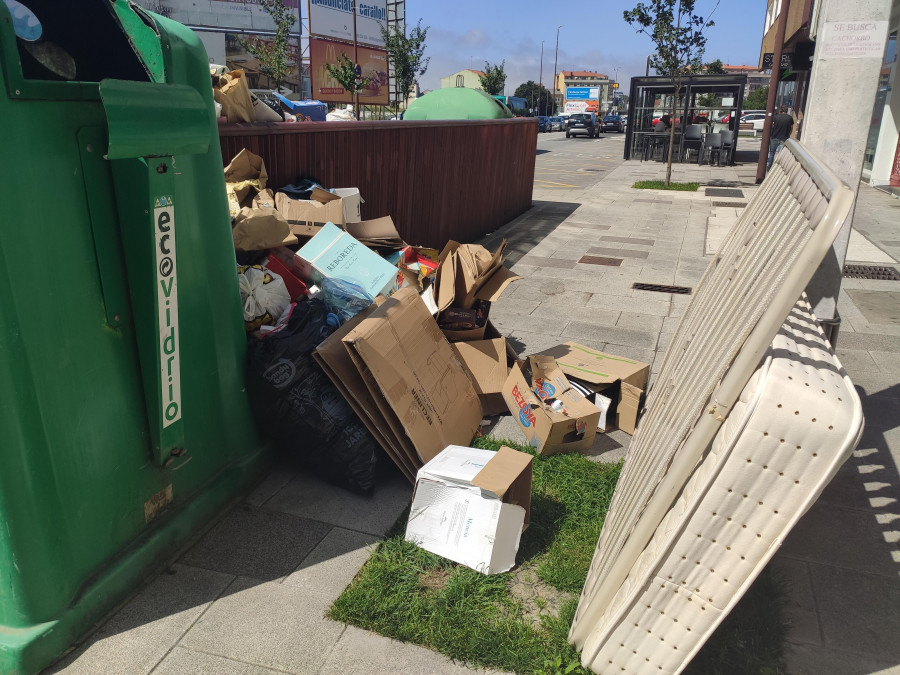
x=249, y=595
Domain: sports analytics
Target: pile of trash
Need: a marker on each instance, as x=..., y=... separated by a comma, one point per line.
x=236, y=102
x=363, y=348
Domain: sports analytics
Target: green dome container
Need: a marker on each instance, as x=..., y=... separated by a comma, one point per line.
x=457, y=103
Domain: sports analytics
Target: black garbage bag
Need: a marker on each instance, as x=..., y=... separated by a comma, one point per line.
x=296, y=404
x=302, y=189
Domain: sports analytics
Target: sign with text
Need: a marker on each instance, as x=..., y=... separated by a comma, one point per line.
x=373, y=64
x=853, y=39
x=787, y=61
x=334, y=19
x=576, y=106
x=582, y=93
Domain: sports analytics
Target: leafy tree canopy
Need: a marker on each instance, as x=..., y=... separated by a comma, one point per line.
x=715, y=67
x=407, y=55
x=537, y=96
x=345, y=74
x=677, y=33
x=272, y=55
x=494, y=79
x=757, y=99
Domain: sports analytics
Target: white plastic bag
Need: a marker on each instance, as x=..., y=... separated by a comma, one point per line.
x=263, y=295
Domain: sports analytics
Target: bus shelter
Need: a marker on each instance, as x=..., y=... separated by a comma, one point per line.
x=712, y=101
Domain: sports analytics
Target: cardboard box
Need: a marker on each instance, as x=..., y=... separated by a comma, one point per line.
x=487, y=363
x=295, y=286
x=351, y=201
x=335, y=361
x=334, y=253
x=306, y=217
x=604, y=373
x=413, y=369
x=469, y=272
x=472, y=505
x=547, y=430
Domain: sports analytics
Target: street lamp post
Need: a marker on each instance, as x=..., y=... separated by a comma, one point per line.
x=541, y=79
x=555, y=56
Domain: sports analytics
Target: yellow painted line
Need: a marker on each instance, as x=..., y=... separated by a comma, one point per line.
x=547, y=182
x=578, y=173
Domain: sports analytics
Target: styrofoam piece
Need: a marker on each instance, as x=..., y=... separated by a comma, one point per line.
x=739, y=305
x=796, y=421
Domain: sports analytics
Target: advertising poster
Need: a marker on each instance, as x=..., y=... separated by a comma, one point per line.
x=373, y=63
x=334, y=19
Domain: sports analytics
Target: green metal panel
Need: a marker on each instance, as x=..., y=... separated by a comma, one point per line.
x=151, y=120
x=91, y=496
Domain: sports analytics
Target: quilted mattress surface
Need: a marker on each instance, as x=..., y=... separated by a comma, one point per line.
x=796, y=421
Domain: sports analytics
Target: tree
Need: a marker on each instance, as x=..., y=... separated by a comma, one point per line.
x=272, y=55
x=715, y=67
x=537, y=95
x=346, y=74
x=757, y=99
x=406, y=55
x=678, y=35
x=494, y=79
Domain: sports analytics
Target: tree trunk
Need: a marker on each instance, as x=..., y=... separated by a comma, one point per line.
x=672, y=135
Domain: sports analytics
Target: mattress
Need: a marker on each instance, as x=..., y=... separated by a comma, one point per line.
x=794, y=424
x=738, y=308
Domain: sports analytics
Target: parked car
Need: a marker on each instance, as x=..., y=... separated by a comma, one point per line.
x=582, y=123
x=624, y=120
x=543, y=123
x=612, y=123
x=557, y=124
x=757, y=119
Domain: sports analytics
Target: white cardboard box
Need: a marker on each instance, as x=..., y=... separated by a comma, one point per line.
x=471, y=506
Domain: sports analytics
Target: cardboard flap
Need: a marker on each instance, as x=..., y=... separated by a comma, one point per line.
x=496, y=284
x=381, y=229
x=485, y=360
x=323, y=196
x=418, y=374
x=597, y=367
x=504, y=469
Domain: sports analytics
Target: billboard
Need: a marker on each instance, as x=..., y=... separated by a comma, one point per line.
x=230, y=15
x=582, y=93
x=373, y=64
x=576, y=106
x=334, y=19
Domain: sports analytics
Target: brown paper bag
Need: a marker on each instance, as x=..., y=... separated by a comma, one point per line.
x=234, y=95
x=245, y=175
x=259, y=229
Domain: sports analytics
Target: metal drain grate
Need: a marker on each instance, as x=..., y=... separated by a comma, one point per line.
x=723, y=192
x=661, y=288
x=880, y=272
x=733, y=205
x=599, y=260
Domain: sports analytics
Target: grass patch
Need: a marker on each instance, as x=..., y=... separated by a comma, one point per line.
x=661, y=185
x=519, y=621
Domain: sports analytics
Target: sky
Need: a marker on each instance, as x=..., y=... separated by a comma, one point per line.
x=594, y=36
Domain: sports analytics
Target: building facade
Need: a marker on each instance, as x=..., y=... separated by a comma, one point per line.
x=881, y=163
x=581, y=90
x=470, y=79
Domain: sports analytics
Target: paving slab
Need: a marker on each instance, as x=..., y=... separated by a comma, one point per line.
x=137, y=637
x=183, y=661
x=360, y=652
x=309, y=497
x=258, y=543
x=270, y=624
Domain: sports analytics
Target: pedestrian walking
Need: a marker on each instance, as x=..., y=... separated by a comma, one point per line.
x=782, y=124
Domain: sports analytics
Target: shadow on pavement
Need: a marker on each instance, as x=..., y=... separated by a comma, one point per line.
x=529, y=229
